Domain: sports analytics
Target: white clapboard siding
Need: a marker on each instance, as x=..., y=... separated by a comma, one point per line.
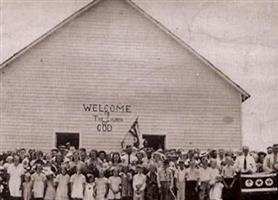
x=112, y=54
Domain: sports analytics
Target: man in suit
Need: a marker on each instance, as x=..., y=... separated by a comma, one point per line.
x=245, y=164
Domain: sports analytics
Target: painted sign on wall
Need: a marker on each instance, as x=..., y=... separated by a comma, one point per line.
x=103, y=115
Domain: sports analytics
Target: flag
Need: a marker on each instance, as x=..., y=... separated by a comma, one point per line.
x=134, y=131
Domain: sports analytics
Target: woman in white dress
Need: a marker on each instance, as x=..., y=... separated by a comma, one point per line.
x=15, y=171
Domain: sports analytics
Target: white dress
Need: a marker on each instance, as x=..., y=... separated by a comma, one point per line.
x=101, y=188
x=90, y=191
x=15, y=173
x=38, y=184
x=215, y=192
x=114, y=182
x=62, y=189
x=77, y=181
x=180, y=176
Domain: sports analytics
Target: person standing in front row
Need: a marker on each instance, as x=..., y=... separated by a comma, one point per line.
x=165, y=181
x=78, y=182
x=62, y=183
x=27, y=187
x=216, y=190
x=90, y=189
x=115, y=183
x=15, y=170
x=152, y=191
x=102, y=186
x=193, y=176
x=38, y=183
x=204, y=180
x=180, y=177
x=245, y=164
x=139, y=184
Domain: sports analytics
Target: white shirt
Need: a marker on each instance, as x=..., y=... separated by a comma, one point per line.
x=114, y=182
x=126, y=160
x=269, y=162
x=139, y=179
x=214, y=172
x=204, y=174
x=250, y=164
x=77, y=181
x=193, y=174
x=180, y=175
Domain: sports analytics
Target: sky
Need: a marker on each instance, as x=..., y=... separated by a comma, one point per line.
x=239, y=37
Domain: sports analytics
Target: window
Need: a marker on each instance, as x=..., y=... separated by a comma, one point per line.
x=63, y=138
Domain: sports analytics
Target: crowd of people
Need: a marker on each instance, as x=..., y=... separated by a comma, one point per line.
x=66, y=173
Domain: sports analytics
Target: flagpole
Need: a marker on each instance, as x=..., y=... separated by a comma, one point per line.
x=122, y=142
x=140, y=135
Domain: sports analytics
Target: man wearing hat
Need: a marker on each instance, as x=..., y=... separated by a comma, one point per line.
x=271, y=160
x=128, y=159
x=204, y=179
x=269, y=150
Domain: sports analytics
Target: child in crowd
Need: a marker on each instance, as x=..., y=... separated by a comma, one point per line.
x=126, y=178
x=27, y=187
x=180, y=177
x=90, y=189
x=50, y=188
x=38, y=183
x=229, y=175
x=102, y=186
x=215, y=192
x=139, y=184
x=78, y=182
x=114, y=186
x=165, y=181
x=62, y=183
x=152, y=191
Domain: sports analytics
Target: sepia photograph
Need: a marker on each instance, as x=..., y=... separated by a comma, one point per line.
x=138, y=99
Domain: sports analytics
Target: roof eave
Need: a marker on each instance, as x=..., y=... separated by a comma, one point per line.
x=243, y=93
x=48, y=33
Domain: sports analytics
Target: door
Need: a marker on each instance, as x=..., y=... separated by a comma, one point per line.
x=155, y=141
x=63, y=138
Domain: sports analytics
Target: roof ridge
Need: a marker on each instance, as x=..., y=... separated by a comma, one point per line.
x=6, y=62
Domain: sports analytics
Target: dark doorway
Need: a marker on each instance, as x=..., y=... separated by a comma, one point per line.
x=63, y=138
x=155, y=141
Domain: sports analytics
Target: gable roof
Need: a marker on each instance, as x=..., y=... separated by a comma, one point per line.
x=243, y=93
